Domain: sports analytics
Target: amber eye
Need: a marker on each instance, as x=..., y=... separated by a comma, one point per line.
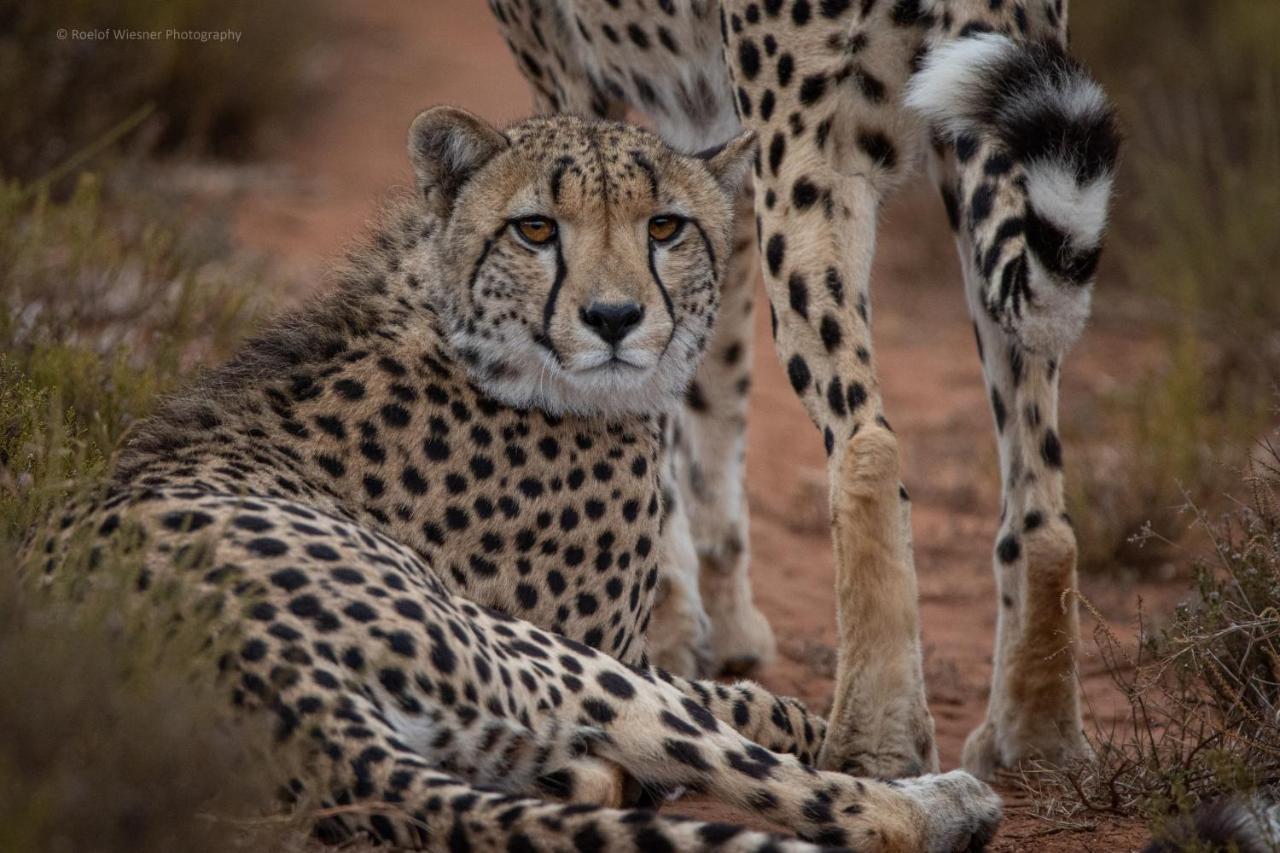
x=536, y=230
x=664, y=228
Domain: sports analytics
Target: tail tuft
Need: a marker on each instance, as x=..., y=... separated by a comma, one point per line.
x=1052, y=118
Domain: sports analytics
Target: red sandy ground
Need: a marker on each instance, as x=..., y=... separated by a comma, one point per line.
x=387, y=60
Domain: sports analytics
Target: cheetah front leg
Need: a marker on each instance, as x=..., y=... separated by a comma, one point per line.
x=1027, y=148
x=821, y=86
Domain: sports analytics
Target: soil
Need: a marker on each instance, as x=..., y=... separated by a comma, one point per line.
x=385, y=61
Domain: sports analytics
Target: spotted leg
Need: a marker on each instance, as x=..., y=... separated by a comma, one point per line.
x=386, y=775
x=679, y=637
x=710, y=461
x=823, y=95
x=1026, y=146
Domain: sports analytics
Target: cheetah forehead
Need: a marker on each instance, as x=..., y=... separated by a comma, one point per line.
x=575, y=165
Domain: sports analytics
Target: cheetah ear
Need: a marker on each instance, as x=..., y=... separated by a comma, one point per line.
x=446, y=146
x=729, y=162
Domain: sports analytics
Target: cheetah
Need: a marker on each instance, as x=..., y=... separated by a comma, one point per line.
x=426, y=512
x=845, y=96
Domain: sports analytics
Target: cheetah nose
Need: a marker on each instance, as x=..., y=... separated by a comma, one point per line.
x=612, y=320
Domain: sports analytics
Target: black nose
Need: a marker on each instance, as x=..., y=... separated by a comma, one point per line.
x=613, y=320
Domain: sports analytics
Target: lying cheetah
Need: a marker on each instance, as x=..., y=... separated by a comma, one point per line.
x=843, y=94
x=429, y=511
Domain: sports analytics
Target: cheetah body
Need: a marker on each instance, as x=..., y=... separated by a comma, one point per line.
x=438, y=575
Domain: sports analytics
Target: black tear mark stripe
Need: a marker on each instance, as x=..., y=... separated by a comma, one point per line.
x=706, y=242
x=549, y=309
x=484, y=253
x=662, y=288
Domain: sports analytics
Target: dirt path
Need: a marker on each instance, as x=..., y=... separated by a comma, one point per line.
x=389, y=59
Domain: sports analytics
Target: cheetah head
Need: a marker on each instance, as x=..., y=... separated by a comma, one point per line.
x=578, y=263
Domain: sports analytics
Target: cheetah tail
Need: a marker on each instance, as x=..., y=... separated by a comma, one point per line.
x=1054, y=143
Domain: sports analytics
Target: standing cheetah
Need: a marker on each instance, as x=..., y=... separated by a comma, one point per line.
x=842, y=95
x=427, y=514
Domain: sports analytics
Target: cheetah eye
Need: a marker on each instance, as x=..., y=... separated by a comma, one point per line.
x=663, y=229
x=536, y=230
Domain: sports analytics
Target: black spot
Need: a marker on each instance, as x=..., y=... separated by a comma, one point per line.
x=266, y=546
x=1051, y=450
x=775, y=252
x=997, y=406
x=349, y=388
x=980, y=204
x=777, y=148
x=835, y=397
x=879, y=148
x=803, y=194
x=686, y=753
x=857, y=394
x=748, y=59
x=798, y=373
x=835, y=285
x=1009, y=549
x=829, y=329
x=598, y=710
x=812, y=88
x=331, y=465
x=799, y=294
x=616, y=684
x=786, y=67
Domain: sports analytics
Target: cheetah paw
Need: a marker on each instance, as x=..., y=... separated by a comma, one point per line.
x=960, y=812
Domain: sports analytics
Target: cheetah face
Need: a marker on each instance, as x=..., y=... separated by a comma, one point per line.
x=582, y=259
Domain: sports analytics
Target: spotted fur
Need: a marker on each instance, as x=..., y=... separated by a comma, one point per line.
x=435, y=571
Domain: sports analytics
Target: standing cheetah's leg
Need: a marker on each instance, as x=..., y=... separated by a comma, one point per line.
x=679, y=639
x=1025, y=154
x=821, y=84
x=710, y=461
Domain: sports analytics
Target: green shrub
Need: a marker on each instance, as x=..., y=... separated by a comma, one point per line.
x=101, y=310
x=116, y=737
x=60, y=95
